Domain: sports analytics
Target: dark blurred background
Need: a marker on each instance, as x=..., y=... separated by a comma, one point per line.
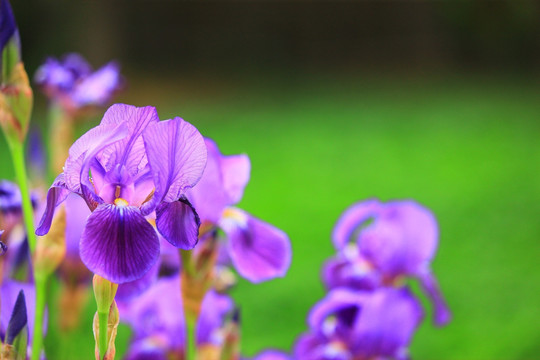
x=336, y=102
x=221, y=38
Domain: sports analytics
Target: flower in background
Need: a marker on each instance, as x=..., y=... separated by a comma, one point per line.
x=71, y=82
x=258, y=250
x=126, y=168
x=380, y=244
x=11, y=205
x=349, y=324
x=158, y=323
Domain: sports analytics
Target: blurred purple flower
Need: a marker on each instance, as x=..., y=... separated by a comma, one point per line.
x=126, y=168
x=380, y=243
x=158, y=320
x=9, y=291
x=8, y=29
x=72, y=83
x=258, y=250
x=349, y=324
x=11, y=205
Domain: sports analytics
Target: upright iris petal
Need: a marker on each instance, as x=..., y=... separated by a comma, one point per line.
x=177, y=157
x=125, y=168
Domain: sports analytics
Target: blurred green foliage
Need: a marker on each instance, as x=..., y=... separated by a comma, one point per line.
x=467, y=148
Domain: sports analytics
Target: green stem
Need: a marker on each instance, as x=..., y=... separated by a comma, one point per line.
x=191, y=345
x=103, y=318
x=191, y=318
x=41, y=290
x=17, y=154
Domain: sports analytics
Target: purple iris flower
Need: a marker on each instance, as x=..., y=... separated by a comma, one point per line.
x=381, y=243
x=158, y=320
x=126, y=168
x=258, y=250
x=349, y=325
x=72, y=83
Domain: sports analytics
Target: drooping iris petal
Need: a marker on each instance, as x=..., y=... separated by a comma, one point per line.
x=130, y=151
x=214, y=309
x=177, y=156
x=401, y=240
x=258, y=250
x=441, y=312
x=57, y=193
x=118, y=243
x=387, y=322
x=84, y=150
x=178, y=223
x=208, y=196
x=236, y=171
x=98, y=87
x=351, y=220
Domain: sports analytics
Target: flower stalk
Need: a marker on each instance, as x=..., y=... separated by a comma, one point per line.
x=104, y=291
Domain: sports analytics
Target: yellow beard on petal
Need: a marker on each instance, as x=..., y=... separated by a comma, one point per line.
x=120, y=202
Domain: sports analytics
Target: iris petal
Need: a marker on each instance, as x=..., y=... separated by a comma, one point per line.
x=130, y=151
x=258, y=250
x=57, y=193
x=388, y=319
x=401, y=240
x=179, y=224
x=235, y=170
x=84, y=150
x=351, y=220
x=177, y=157
x=118, y=243
x=209, y=196
x=441, y=312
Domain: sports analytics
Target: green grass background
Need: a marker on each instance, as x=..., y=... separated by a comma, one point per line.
x=466, y=147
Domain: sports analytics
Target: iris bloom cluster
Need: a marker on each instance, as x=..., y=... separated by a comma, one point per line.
x=73, y=84
x=135, y=189
x=369, y=311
